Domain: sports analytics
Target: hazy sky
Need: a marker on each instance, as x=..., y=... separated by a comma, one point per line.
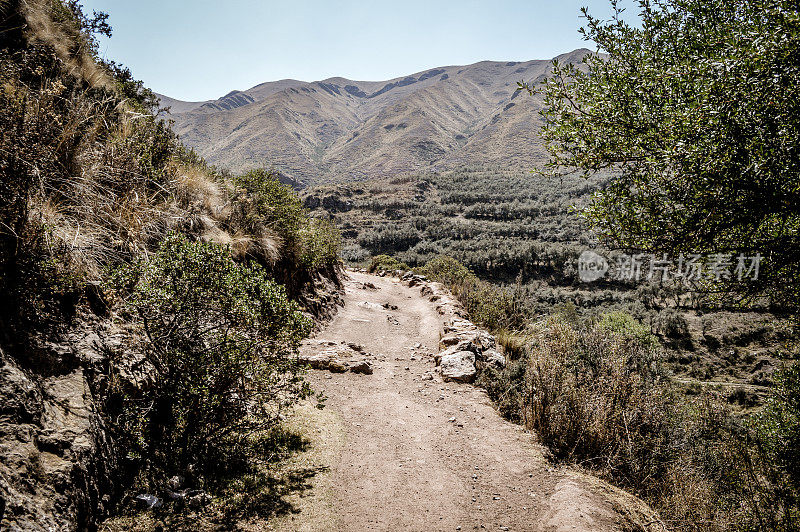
x=202, y=49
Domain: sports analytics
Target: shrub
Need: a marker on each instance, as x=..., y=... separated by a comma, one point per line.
x=272, y=212
x=595, y=394
x=354, y=254
x=448, y=271
x=274, y=203
x=488, y=305
x=670, y=323
x=777, y=455
x=221, y=340
x=386, y=263
x=590, y=392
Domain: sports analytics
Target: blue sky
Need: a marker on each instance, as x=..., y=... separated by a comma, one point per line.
x=202, y=49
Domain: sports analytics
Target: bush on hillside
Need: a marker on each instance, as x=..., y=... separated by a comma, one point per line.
x=220, y=339
x=594, y=393
x=589, y=389
x=273, y=213
x=386, y=263
x=496, y=308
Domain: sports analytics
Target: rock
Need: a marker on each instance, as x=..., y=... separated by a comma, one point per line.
x=449, y=351
x=320, y=360
x=179, y=496
x=175, y=483
x=485, y=340
x=460, y=325
x=337, y=366
x=448, y=340
x=494, y=358
x=363, y=367
x=146, y=500
x=458, y=366
x=468, y=344
x=197, y=499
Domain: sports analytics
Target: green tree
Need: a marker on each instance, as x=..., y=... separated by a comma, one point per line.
x=695, y=112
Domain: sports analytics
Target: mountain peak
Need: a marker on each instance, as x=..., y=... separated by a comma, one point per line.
x=339, y=128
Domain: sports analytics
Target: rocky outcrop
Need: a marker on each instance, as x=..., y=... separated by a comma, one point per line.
x=57, y=462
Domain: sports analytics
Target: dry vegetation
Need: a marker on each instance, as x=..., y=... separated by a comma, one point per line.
x=100, y=206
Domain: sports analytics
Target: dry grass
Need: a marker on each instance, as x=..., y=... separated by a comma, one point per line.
x=63, y=38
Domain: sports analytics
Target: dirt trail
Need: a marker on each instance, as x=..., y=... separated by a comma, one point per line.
x=399, y=461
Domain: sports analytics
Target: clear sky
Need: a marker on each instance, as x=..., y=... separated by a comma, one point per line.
x=202, y=49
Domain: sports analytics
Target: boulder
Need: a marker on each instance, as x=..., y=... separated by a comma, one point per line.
x=458, y=366
x=449, y=351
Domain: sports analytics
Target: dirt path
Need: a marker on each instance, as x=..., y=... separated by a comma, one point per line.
x=405, y=453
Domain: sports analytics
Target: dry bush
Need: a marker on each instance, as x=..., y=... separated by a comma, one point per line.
x=595, y=395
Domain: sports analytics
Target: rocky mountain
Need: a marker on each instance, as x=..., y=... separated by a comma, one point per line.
x=340, y=129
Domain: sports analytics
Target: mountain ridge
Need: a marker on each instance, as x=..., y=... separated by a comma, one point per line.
x=341, y=129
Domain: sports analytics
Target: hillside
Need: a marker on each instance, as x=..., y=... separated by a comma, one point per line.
x=340, y=129
x=110, y=231
x=517, y=230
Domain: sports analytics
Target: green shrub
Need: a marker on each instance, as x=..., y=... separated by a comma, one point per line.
x=488, y=305
x=320, y=242
x=448, y=271
x=777, y=453
x=386, y=263
x=275, y=204
x=221, y=340
x=271, y=210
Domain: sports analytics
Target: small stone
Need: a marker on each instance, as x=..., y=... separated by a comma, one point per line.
x=175, y=483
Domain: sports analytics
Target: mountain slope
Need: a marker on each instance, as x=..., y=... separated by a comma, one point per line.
x=342, y=129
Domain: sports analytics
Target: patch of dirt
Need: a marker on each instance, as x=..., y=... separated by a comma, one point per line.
x=411, y=452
